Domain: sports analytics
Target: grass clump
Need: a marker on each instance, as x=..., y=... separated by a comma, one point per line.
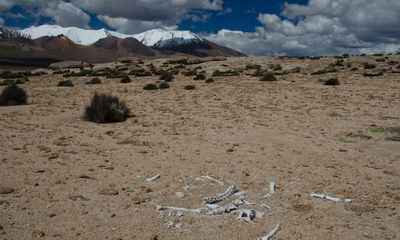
x=190, y=87
x=332, y=82
x=150, y=86
x=200, y=76
x=164, y=85
x=65, y=83
x=13, y=95
x=106, y=109
x=210, y=80
x=268, y=77
x=167, y=76
x=94, y=81
x=126, y=79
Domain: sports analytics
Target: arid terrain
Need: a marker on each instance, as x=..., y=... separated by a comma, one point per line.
x=66, y=178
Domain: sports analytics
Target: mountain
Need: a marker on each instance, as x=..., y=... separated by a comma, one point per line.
x=50, y=43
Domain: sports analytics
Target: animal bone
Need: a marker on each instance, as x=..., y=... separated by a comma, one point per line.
x=197, y=210
x=272, y=187
x=215, y=209
x=271, y=233
x=222, y=196
x=348, y=200
x=327, y=197
x=246, y=215
x=210, y=178
x=153, y=178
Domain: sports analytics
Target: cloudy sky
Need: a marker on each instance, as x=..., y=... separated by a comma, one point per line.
x=254, y=27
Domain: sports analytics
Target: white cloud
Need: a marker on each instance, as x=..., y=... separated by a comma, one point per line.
x=127, y=26
x=322, y=27
x=66, y=14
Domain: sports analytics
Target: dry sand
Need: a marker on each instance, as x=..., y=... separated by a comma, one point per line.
x=238, y=130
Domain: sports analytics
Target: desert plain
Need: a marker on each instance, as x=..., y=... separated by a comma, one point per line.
x=63, y=177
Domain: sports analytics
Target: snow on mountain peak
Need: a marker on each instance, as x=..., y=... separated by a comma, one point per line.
x=88, y=37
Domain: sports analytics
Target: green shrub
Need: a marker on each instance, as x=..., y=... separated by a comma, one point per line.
x=13, y=95
x=332, y=82
x=106, y=109
x=167, y=76
x=65, y=83
x=268, y=77
x=190, y=87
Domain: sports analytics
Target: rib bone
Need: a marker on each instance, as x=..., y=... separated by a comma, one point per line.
x=222, y=196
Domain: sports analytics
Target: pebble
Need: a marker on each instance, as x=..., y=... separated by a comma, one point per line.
x=180, y=194
x=6, y=190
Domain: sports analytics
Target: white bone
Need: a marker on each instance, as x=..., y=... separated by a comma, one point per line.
x=153, y=178
x=348, y=200
x=271, y=233
x=272, y=187
x=222, y=196
x=246, y=215
x=210, y=178
x=197, y=210
x=327, y=197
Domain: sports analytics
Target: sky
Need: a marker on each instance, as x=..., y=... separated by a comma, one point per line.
x=254, y=27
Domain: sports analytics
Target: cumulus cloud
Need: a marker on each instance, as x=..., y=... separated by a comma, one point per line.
x=169, y=12
x=127, y=26
x=321, y=27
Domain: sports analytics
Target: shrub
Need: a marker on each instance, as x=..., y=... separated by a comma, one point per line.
x=268, y=77
x=9, y=74
x=150, y=86
x=65, y=83
x=94, y=81
x=324, y=70
x=190, y=87
x=167, y=76
x=106, y=109
x=252, y=66
x=13, y=95
x=276, y=67
x=140, y=73
x=116, y=74
x=332, y=82
x=200, y=76
x=367, y=65
x=210, y=80
x=164, y=85
x=190, y=72
x=126, y=79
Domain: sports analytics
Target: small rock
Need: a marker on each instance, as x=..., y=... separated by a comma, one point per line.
x=77, y=198
x=38, y=233
x=6, y=190
x=138, y=200
x=180, y=194
x=109, y=192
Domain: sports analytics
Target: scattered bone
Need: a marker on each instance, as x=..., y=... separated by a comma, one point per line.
x=265, y=206
x=246, y=215
x=271, y=233
x=272, y=187
x=348, y=200
x=153, y=178
x=215, y=209
x=197, y=210
x=222, y=196
x=327, y=197
x=210, y=178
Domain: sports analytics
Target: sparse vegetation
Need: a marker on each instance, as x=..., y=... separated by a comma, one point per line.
x=268, y=77
x=164, y=85
x=220, y=73
x=210, y=80
x=65, y=83
x=367, y=65
x=126, y=79
x=200, y=76
x=167, y=76
x=106, y=109
x=324, y=70
x=140, y=73
x=94, y=81
x=190, y=87
x=332, y=82
x=13, y=95
x=150, y=86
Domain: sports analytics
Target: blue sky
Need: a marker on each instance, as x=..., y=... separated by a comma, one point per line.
x=255, y=27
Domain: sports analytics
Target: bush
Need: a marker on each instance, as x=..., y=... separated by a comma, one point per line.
x=13, y=95
x=140, y=73
x=163, y=85
x=9, y=74
x=332, y=82
x=367, y=65
x=189, y=72
x=276, y=67
x=65, y=83
x=167, y=76
x=210, y=80
x=190, y=87
x=200, y=76
x=150, y=86
x=94, y=81
x=126, y=79
x=106, y=109
x=268, y=77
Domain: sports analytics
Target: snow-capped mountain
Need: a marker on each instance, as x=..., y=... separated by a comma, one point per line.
x=158, y=38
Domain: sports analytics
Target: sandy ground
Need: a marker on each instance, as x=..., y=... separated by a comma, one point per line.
x=238, y=130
